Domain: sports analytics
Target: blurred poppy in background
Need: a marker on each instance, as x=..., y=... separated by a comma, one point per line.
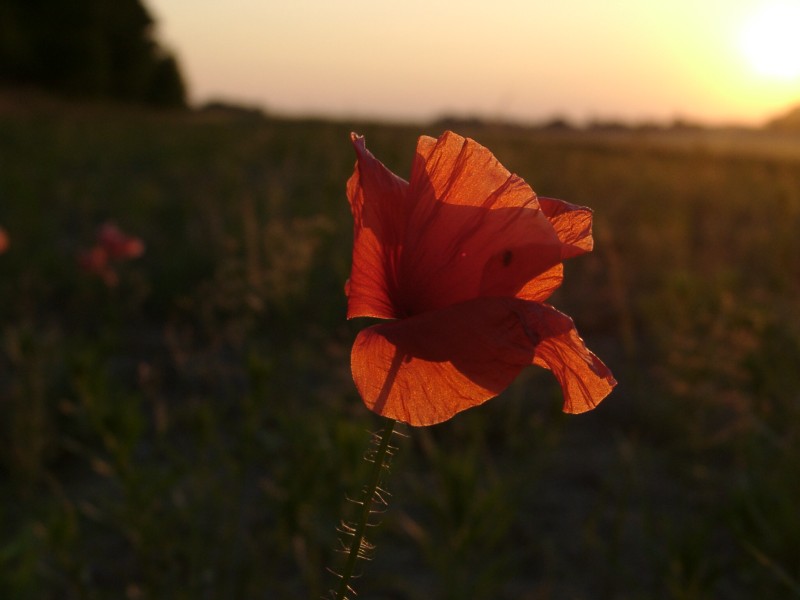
x=111, y=245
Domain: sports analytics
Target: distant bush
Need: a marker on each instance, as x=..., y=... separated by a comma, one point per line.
x=90, y=48
x=789, y=121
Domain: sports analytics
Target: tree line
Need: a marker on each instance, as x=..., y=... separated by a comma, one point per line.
x=87, y=48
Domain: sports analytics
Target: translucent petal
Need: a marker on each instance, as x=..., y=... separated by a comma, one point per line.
x=425, y=369
x=584, y=379
x=572, y=223
x=474, y=229
x=378, y=201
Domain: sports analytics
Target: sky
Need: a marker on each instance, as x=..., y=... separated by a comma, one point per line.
x=712, y=61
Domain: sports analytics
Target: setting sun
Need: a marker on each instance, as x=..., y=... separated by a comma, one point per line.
x=770, y=40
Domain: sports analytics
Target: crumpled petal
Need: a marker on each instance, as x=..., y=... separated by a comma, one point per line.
x=573, y=225
x=378, y=201
x=475, y=229
x=424, y=369
x=585, y=380
x=464, y=227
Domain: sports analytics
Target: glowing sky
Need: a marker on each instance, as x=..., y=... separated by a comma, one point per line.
x=512, y=59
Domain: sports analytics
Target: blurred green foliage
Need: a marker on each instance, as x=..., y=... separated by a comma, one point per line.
x=194, y=431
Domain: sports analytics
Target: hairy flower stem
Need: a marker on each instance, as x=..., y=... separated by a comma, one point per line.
x=366, y=508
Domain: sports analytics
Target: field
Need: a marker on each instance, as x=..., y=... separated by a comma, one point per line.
x=193, y=431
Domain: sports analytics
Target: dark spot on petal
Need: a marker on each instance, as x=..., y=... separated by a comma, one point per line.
x=507, y=256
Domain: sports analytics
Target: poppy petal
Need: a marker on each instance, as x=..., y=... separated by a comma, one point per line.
x=541, y=287
x=474, y=230
x=378, y=201
x=573, y=225
x=584, y=379
x=424, y=369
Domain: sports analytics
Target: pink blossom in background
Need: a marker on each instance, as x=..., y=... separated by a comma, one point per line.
x=96, y=262
x=117, y=244
x=111, y=246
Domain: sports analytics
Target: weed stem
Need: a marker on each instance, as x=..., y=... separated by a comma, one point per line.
x=366, y=507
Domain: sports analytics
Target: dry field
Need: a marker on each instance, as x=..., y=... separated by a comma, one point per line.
x=193, y=431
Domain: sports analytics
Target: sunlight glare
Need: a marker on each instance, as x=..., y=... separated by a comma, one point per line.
x=770, y=41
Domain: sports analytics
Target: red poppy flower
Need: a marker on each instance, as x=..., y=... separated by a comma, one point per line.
x=117, y=244
x=96, y=262
x=112, y=246
x=461, y=258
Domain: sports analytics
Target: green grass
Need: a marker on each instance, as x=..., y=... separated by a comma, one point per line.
x=193, y=432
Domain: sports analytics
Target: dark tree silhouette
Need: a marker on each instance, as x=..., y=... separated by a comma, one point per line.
x=95, y=48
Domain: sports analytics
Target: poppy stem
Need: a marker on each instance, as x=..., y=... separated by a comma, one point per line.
x=372, y=495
